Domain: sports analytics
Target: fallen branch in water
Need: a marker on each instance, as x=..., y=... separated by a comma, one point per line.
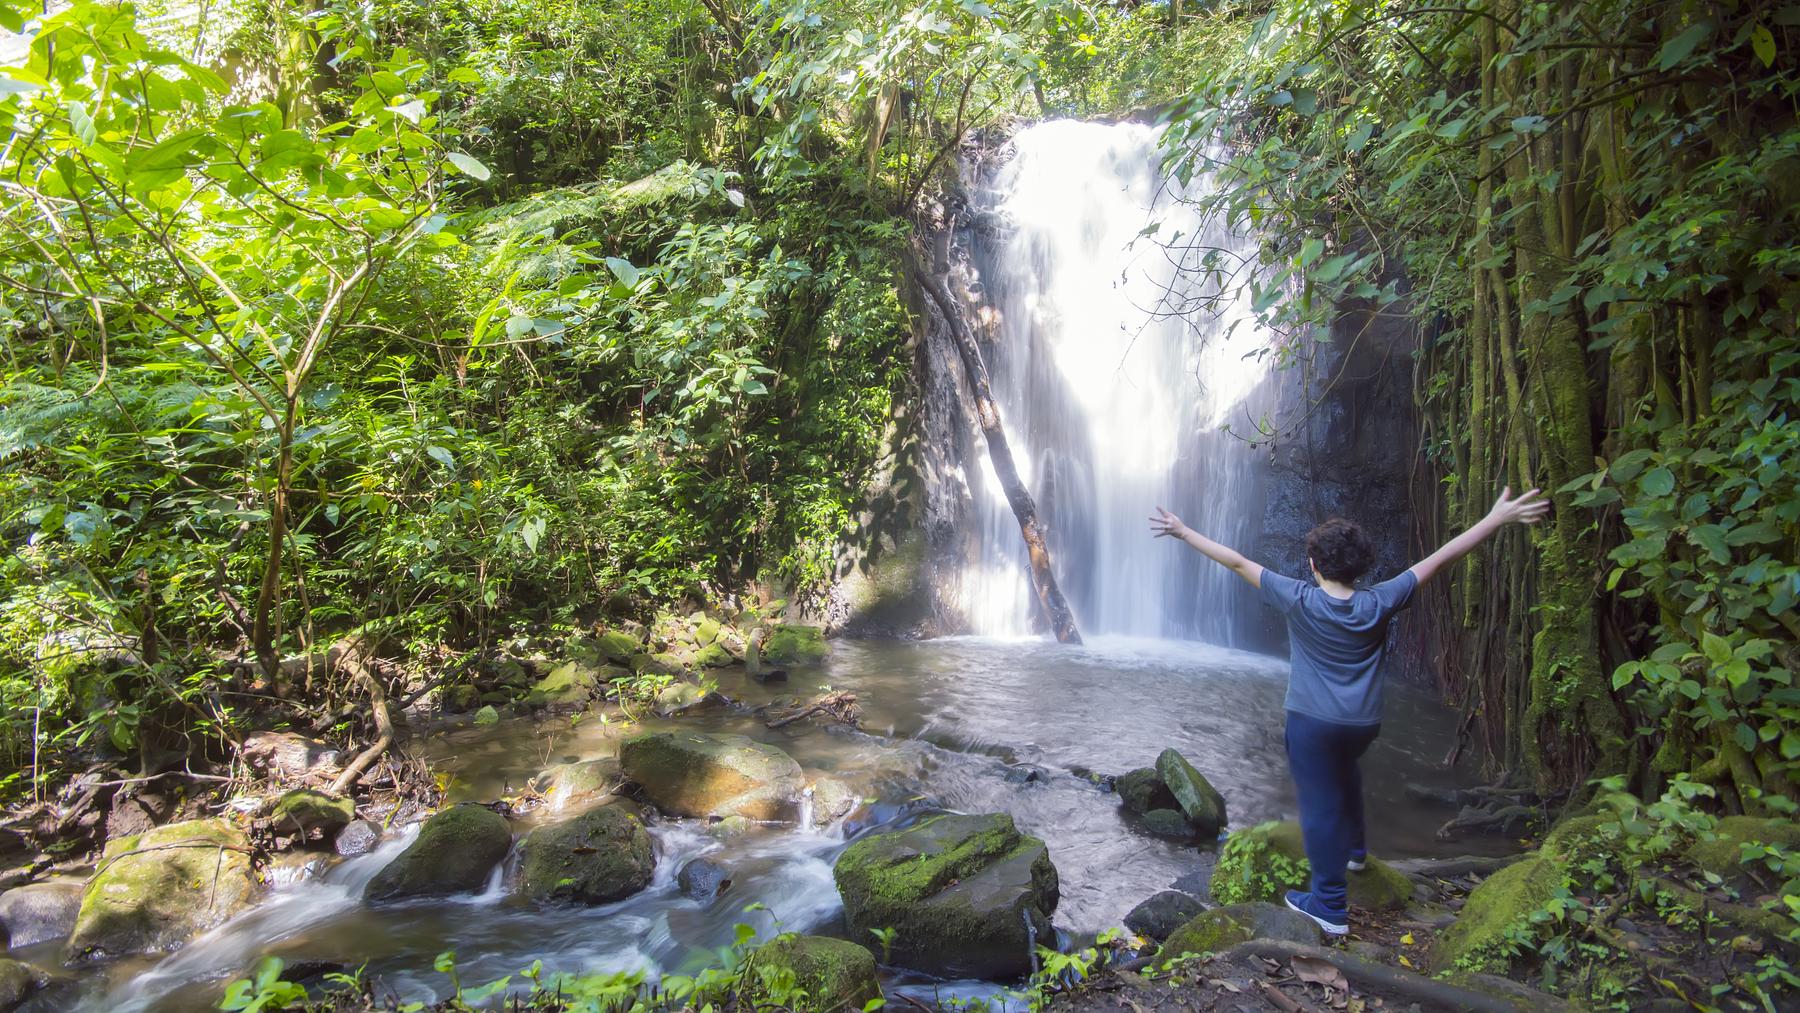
x=840, y=706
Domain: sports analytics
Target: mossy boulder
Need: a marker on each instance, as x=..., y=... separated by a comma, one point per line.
x=706, y=630
x=1200, y=802
x=837, y=976
x=456, y=851
x=1267, y=860
x=714, y=655
x=602, y=855
x=1142, y=790
x=18, y=982
x=1723, y=854
x=487, y=715
x=1224, y=927
x=313, y=815
x=618, y=646
x=155, y=890
x=570, y=685
x=1581, y=837
x=678, y=697
x=1504, y=902
x=791, y=643
x=658, y=664
x=966, y=896
x=696, y=774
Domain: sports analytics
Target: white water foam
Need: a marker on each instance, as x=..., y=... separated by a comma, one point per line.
x=1112, y=403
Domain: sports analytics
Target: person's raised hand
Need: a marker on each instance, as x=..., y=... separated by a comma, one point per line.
x=1526, y=508
x=1165, y=524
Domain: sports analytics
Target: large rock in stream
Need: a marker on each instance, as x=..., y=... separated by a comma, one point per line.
x=1221, y=928
x=695, y=774
x=966, y=896
x=455, y=852
x=154, y=891
x=1203, y=806
x=602, y=855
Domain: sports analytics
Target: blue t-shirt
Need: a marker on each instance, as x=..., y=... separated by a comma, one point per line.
x=1337, y=644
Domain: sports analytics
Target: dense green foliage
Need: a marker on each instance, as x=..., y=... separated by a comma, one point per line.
x=1588, y=209
x=279, y=375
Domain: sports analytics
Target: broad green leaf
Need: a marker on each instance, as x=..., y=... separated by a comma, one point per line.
x=1681, y=46
x=1657, y=482
x=468, y=165
x=1763, y=42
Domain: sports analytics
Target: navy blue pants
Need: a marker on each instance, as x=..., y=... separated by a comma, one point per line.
x=1322, y=756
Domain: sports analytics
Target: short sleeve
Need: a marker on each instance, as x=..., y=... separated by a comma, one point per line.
x=1396, y=593
x=1280, y=592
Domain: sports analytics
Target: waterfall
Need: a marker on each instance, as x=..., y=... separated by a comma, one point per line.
x=1112, y=404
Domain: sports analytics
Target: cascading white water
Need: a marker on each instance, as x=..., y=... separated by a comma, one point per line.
x=1113, y=404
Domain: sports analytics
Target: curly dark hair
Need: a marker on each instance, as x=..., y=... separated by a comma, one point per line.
x=1339, y=550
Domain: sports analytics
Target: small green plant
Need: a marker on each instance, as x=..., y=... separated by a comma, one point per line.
x=265, y=989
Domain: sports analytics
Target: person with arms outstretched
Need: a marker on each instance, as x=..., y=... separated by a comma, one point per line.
x=1338, y=634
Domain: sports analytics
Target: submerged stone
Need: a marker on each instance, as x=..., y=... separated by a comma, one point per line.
x=583, y=779
x=599, y=856
x=696, y=774
x=18, y=982
x=1224, y=927
x=1267, y=860
x=456, y=851
x=154, y=891
x=1168, y=823
x=966, y=896
x=837, y=976
x=1202, y=804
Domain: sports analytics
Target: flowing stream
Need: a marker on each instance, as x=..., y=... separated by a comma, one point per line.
x=965, y=724
x=1112, y=409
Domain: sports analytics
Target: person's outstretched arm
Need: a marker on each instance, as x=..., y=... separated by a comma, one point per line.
x=1165, y=524
x=1524, y=510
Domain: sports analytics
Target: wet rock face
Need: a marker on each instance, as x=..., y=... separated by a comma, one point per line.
x=836, y=975
x=456, y=851
x=154, y=891
x=17, y=983
x=312, y=815
x=1163, y=913
x=39, y=912
x=695, y=774
x=359, y=837
x=703, y=879
x=966, y=896
x=599, y=856
x=1203, y=806
x=583, y=780
x=1349, y=449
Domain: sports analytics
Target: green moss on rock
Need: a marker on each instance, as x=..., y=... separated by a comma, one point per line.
x=1267, y=860
x=695, y=774
x=599, y=856
x=1202, y=804
x=1481, y=937
x=155, y=890
x=312, y=813
x=570, y=684
x=963, y=894
x=1224, y=927
x=714, y=655
x=1168, y=823
x=455, y=852
x=836, y=975
x=1582, y=837
x=618, y=646
x=1723, y=855
x=790, y=644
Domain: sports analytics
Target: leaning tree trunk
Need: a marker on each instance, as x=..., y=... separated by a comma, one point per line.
x=1043, y=577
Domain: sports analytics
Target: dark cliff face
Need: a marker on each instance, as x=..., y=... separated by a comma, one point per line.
x=1349, y=447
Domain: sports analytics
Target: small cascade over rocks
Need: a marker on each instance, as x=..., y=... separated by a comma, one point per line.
x=1112, y=401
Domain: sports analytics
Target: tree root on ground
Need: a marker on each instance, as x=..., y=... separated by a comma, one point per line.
x=1427, y=992
x=348, y=656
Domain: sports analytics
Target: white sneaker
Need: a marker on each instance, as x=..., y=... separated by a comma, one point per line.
x=1358, y=864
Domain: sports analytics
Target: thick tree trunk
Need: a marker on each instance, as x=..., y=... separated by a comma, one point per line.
x=1043, y=577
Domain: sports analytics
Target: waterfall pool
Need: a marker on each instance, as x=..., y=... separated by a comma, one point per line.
x=965, y=724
